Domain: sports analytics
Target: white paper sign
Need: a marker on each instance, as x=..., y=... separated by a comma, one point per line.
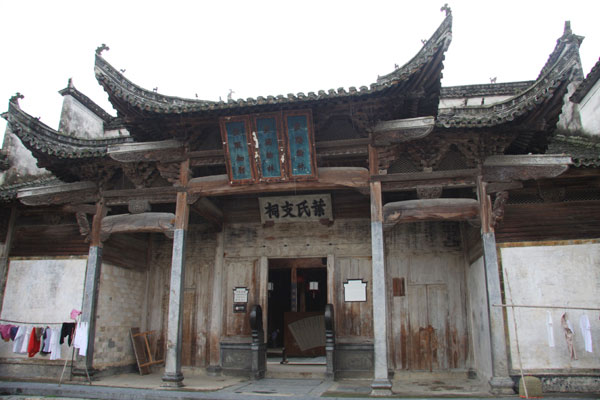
x=355, y=290
x=240, y=295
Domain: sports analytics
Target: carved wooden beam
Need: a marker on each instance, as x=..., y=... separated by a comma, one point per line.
x=165, y=151
x=429, y=210
x=131, y=223
x=329, y=179
x=157, y=195
x=401, y=130
x=524, y=167
x=78, y=192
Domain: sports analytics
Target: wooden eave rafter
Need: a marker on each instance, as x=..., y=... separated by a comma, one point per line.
x=402, y=130
x=78, y=192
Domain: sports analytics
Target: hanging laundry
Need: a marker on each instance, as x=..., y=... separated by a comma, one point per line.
x=67, y=331
x=81, y=338
x=25, y=346
x=75, y=313
x=45, y=346
x=13, y=332
x=34, y=342
x=569, y=335
x=550, y=329
x=55, y=344
x=19, y=338
x=5, y=331
x=586, y=332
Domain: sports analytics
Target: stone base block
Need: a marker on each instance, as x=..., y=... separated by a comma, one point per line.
x=354, y=360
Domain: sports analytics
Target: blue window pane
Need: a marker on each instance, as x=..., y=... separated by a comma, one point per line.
x=238, y=150
x=268, y=147
x=297, y=126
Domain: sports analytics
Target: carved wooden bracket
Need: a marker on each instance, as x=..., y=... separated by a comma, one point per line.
x=498, y=208
x=84, y=225
x=429, y=192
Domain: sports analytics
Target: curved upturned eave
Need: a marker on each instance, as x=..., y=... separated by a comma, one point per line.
x=125, y=95
x=40, y=138
x=566, y=66
x=441, y=38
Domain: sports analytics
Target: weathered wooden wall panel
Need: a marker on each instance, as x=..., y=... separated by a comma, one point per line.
x=239, y=272
x=428, y=326
x=549, y=221
x=48, y=240
x=200, y=253
x=354, y=320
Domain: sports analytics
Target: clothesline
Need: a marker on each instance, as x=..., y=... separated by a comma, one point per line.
x=31, y=323
x=552, y=307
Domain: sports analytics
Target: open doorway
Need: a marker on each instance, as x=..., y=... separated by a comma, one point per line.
x=297, y=298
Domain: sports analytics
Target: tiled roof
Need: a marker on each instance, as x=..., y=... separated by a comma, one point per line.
x=486, y=89
x=587, y=84
x=40, y=138
x=584, y=150
x=120, y=89
x=563, y=65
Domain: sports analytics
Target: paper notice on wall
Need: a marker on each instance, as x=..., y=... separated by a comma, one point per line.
x=550, y=329
x=586, y=332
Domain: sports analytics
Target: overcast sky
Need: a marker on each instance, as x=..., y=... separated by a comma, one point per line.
x=259, y=48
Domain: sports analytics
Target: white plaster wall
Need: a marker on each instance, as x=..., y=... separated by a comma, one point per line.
x=479, y=319
x=77, y=121
x=589, y=110
x=471, y=101
x=560, y=275
x=23, y=165
x=42, y=291
x=569, y=119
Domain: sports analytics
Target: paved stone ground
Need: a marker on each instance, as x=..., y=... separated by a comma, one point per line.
x=258, y=390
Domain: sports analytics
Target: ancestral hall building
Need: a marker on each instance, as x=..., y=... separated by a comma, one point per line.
x=385, y=227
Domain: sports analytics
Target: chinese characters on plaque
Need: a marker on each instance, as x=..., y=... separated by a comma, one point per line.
x=304, y=208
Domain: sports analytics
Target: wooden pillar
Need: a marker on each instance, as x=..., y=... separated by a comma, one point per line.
x=500, y=381
x=173, y=376
x=5, y=252
x=216, y=311
x=381, y=385
x=91, y=284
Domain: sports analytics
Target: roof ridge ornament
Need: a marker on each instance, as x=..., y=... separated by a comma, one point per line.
x=447, y=9
x=15, y=99
x=70, y=84
x=101, y=48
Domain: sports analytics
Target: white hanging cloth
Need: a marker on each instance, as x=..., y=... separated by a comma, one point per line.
x=55, y=344
x=586, y=332
x=550, y=329
x=81, y=338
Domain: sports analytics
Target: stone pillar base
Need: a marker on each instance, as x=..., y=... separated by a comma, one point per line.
x=501, y=385
x=214, y=370
x=381, y=387
x=172, y=380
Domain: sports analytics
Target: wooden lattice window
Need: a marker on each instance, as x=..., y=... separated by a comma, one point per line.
x=269, y=147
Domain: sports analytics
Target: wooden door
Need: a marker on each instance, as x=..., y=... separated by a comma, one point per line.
x=428, y=321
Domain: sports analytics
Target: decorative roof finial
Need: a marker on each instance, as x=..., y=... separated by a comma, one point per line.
x=70, y=84
x=567, y=30
x=230, y=94
x=15, y=99
x=447, y=9
x=100, y=49
x=493, y=80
